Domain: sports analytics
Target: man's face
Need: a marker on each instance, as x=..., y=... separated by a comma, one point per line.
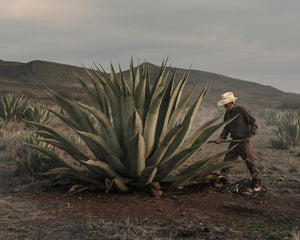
x=229, y=106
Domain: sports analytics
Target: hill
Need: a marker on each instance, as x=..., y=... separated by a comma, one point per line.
x=31, y=78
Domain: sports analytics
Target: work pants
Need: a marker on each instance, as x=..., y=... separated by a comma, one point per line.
x=245, y=151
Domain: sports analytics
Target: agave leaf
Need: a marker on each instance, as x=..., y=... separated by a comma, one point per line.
x=120, y=185
x=151, y=122
x=189, y=120
x=114, y=79
x=103, y=77
x=64, y=118
x=174, y=111
x=164, y=112
x=166, y=166
x=66, y=172
x=147, y=177
x=101, y=149
x=111, y=135
x=111, y=90
x=55, y=159
x=80, y=119
x=75, y=154
x=137, y=78
x=179, y=88
x=127, y=110
x=197, y=133
x=174, y=161
x=136, y=155
x=147, y=93
x=198, y=168
x=97, y=98
x=117, y=179
x=135, y=125
x=113, y=93
x=131, y=77
x=110, y=172
x=209, y=132
x=158, y=85
x=140, y=95
x=202, y=139
x=159, y=79
x=165, y=144
x=59, y=137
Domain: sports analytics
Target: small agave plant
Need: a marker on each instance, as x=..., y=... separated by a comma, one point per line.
x=137, y=139
x=13, y=106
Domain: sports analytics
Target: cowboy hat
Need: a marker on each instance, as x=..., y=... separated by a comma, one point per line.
x=226, y=98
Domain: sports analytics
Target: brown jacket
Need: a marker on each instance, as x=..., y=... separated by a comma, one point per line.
x=243, y=126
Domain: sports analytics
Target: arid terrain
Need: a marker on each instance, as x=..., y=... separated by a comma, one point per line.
x=36, y=210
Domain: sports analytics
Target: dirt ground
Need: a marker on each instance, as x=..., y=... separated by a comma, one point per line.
x=38, y=211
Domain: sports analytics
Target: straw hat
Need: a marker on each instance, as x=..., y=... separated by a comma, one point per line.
x=226, y=98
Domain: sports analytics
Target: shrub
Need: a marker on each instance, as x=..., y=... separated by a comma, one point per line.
x=137, y=139
x=270, y=116
x=13, y=106
x=30, y=161
x=288, y=132
x=37, y=113
x=290, y=105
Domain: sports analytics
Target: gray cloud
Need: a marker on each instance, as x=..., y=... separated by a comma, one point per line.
x=253, y=40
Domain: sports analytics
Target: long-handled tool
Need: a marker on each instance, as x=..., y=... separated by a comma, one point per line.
x=230, y=141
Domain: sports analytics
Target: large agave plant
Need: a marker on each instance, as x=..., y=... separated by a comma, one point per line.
x=137, y=138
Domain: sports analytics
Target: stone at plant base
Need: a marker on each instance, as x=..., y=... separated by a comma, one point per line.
x=157, y=193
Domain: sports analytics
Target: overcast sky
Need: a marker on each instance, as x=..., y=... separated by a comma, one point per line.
x=254, y=40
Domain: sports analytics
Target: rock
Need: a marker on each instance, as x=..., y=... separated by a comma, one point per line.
x=157, y=193
x=155, y=185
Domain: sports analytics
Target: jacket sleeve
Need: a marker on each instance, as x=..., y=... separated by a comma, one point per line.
x=225, y=131
x=251, y=122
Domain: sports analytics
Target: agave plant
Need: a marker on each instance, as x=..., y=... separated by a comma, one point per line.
x=288, y=132
x=30, y=161
x=13, y=106
x=137, y=139
x=37, y=113
x=271, y=116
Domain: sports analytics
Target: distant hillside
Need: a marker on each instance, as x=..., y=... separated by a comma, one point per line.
x=31, y=78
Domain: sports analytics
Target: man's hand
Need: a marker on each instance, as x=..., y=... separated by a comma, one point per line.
x=219, y=140
x=248, y=139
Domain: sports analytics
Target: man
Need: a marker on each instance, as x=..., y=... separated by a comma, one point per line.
x=243, y=127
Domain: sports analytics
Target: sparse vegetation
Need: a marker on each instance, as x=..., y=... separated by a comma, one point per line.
x=270, y=116
x=292, y=105
x=288, y=131
x=293, y=166
x=28, y=160
x=13, y=106
x=38, y=113
x=16, y=107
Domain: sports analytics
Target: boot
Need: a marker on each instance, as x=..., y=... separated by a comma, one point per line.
x=257, y=184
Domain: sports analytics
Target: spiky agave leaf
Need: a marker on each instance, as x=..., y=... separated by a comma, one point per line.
x=136, y=155
x=67, y=172
x=202, y=167
x=119, y=181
